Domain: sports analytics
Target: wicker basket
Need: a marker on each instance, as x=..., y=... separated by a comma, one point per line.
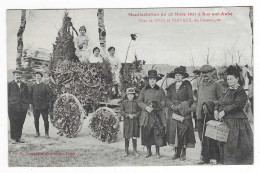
x=217, y=130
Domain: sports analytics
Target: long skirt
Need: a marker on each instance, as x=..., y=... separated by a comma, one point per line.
x=210, y=147
x=131, y=128
x=239, y=148
x=185, y=133
x=154, y=137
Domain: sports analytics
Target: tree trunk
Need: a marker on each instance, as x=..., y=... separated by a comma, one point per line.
x=101, y=29
x=251, y=23
x=20, y=40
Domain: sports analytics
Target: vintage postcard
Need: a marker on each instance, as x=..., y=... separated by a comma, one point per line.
x=130, y=87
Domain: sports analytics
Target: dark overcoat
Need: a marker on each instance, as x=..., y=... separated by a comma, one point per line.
x=18, y=98
x=152, y=124
x=18, y=102
x=183, y=94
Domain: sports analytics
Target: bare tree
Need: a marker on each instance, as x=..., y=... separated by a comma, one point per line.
x=20, y=40
x=209, y=56
x=192, y=60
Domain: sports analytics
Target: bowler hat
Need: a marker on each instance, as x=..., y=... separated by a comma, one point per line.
x=206, y=69
x=179, y=70
x=153, y=74
x=17, y=71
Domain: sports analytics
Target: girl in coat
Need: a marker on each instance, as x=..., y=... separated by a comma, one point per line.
x=239, y=146
x=131, y=113
x=180, y=93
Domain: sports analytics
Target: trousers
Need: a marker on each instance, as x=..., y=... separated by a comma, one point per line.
x=16, y=123
x=36, y=114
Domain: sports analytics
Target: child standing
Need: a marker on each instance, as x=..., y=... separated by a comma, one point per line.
x=131, y=113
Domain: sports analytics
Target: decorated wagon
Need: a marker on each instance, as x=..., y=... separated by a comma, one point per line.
x=83, y=88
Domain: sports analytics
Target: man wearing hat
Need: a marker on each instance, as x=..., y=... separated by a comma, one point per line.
x=40, y=97
x=209, y=90
x=18, y=102
x=152, y=121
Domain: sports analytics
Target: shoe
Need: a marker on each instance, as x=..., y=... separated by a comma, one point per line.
x=176, y=154
x=149, y=152
x=183, y=154
x=136, y=154
x=37, y=135
x=13, y=141
x=157, y=154
x=203, y=162
x=20, y=141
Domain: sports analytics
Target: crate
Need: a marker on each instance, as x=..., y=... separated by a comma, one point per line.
x=217, y=130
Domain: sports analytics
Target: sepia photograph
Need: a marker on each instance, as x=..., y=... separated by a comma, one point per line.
x=115, y=87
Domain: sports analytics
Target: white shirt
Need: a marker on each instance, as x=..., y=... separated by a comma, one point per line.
x=19, y=84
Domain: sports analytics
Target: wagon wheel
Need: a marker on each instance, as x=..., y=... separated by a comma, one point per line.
x=68, y=115
x=105, y=125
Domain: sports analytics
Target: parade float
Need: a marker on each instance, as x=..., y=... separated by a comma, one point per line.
x=82, y=88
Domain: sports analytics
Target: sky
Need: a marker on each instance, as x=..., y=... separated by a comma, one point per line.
x=170, y=43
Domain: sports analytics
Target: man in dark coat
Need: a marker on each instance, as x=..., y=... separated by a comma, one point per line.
x=209, y=90
x=40, y=97
x=18, y=101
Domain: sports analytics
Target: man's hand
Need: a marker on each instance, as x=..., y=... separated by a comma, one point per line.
x=149, y=109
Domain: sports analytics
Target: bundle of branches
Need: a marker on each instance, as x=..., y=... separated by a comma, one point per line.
x=132, y=76
x=68, y=115
x=64, y=48
x=105, y=125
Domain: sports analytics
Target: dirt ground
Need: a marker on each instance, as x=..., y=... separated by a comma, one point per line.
x=86, y=151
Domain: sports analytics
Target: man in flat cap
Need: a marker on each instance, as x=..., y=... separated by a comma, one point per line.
x=40, y=96
x=209, y=90
x=18, y=102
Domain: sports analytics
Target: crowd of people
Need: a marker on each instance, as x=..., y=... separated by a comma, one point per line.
x=161, y=117
x=167, y=118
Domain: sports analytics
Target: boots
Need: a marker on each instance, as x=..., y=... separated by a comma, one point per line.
x=135, y=147
x=37, y=134
x=149, y=152
x=157, y=152
x=126, y=147
x=183, y=154
x=176, y=154
x=47, y=134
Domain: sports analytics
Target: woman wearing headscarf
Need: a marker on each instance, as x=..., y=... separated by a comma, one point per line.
x=179, y=94
x=152, y=101
x=239, y=147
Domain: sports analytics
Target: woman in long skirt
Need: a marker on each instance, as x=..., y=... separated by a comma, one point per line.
x=239, y=147
x=179, y=134
x=152, y=101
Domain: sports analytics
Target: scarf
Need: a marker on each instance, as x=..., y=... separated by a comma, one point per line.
x=234, y=87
